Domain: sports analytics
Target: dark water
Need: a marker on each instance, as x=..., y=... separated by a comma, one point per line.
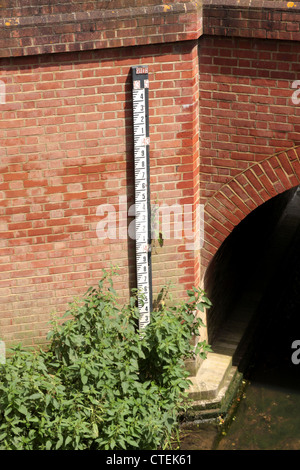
x=267, y=414
x=267, y=419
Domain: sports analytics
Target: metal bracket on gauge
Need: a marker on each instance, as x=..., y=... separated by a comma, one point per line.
x=140, y=97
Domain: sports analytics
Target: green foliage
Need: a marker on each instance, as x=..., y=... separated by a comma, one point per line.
x=101, y=384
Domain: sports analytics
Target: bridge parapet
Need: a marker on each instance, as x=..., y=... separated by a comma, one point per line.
x=43, y=27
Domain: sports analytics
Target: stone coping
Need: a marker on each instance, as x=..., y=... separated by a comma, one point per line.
x=90, y=26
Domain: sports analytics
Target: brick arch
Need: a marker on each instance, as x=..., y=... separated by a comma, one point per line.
x=242, y=194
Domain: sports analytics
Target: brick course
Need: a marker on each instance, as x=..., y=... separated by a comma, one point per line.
x=66, y=140
x=246, y=116
x=41, y=28
x=224, y=132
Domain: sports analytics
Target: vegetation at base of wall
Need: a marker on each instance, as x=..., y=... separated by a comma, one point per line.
x=102, y=384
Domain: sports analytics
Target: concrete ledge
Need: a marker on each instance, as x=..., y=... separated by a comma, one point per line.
x=210, y=377
x=212, y=410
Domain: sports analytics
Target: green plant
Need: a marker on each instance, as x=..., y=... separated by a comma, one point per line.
x=101, y=384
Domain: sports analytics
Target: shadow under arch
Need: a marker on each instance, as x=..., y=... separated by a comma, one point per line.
x=233, y=270
x=240, y=221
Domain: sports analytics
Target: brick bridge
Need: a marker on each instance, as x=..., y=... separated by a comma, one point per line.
x=224, y=126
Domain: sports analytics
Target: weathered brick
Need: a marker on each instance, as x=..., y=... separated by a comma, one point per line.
x=66, y=135
x=58, y=179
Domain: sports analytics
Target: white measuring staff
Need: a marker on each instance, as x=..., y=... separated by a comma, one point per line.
x=142, y=203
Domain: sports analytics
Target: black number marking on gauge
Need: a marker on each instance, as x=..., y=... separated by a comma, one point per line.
x=140, y=98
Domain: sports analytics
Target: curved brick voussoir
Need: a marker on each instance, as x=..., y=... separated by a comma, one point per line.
x=248, y=190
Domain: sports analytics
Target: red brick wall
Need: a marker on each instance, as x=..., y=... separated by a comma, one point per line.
x=66, y=148
x=247, y=123
x=66, y=142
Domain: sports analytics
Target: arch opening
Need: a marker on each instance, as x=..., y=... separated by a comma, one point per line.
x=240, y=272
x=241, y=195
